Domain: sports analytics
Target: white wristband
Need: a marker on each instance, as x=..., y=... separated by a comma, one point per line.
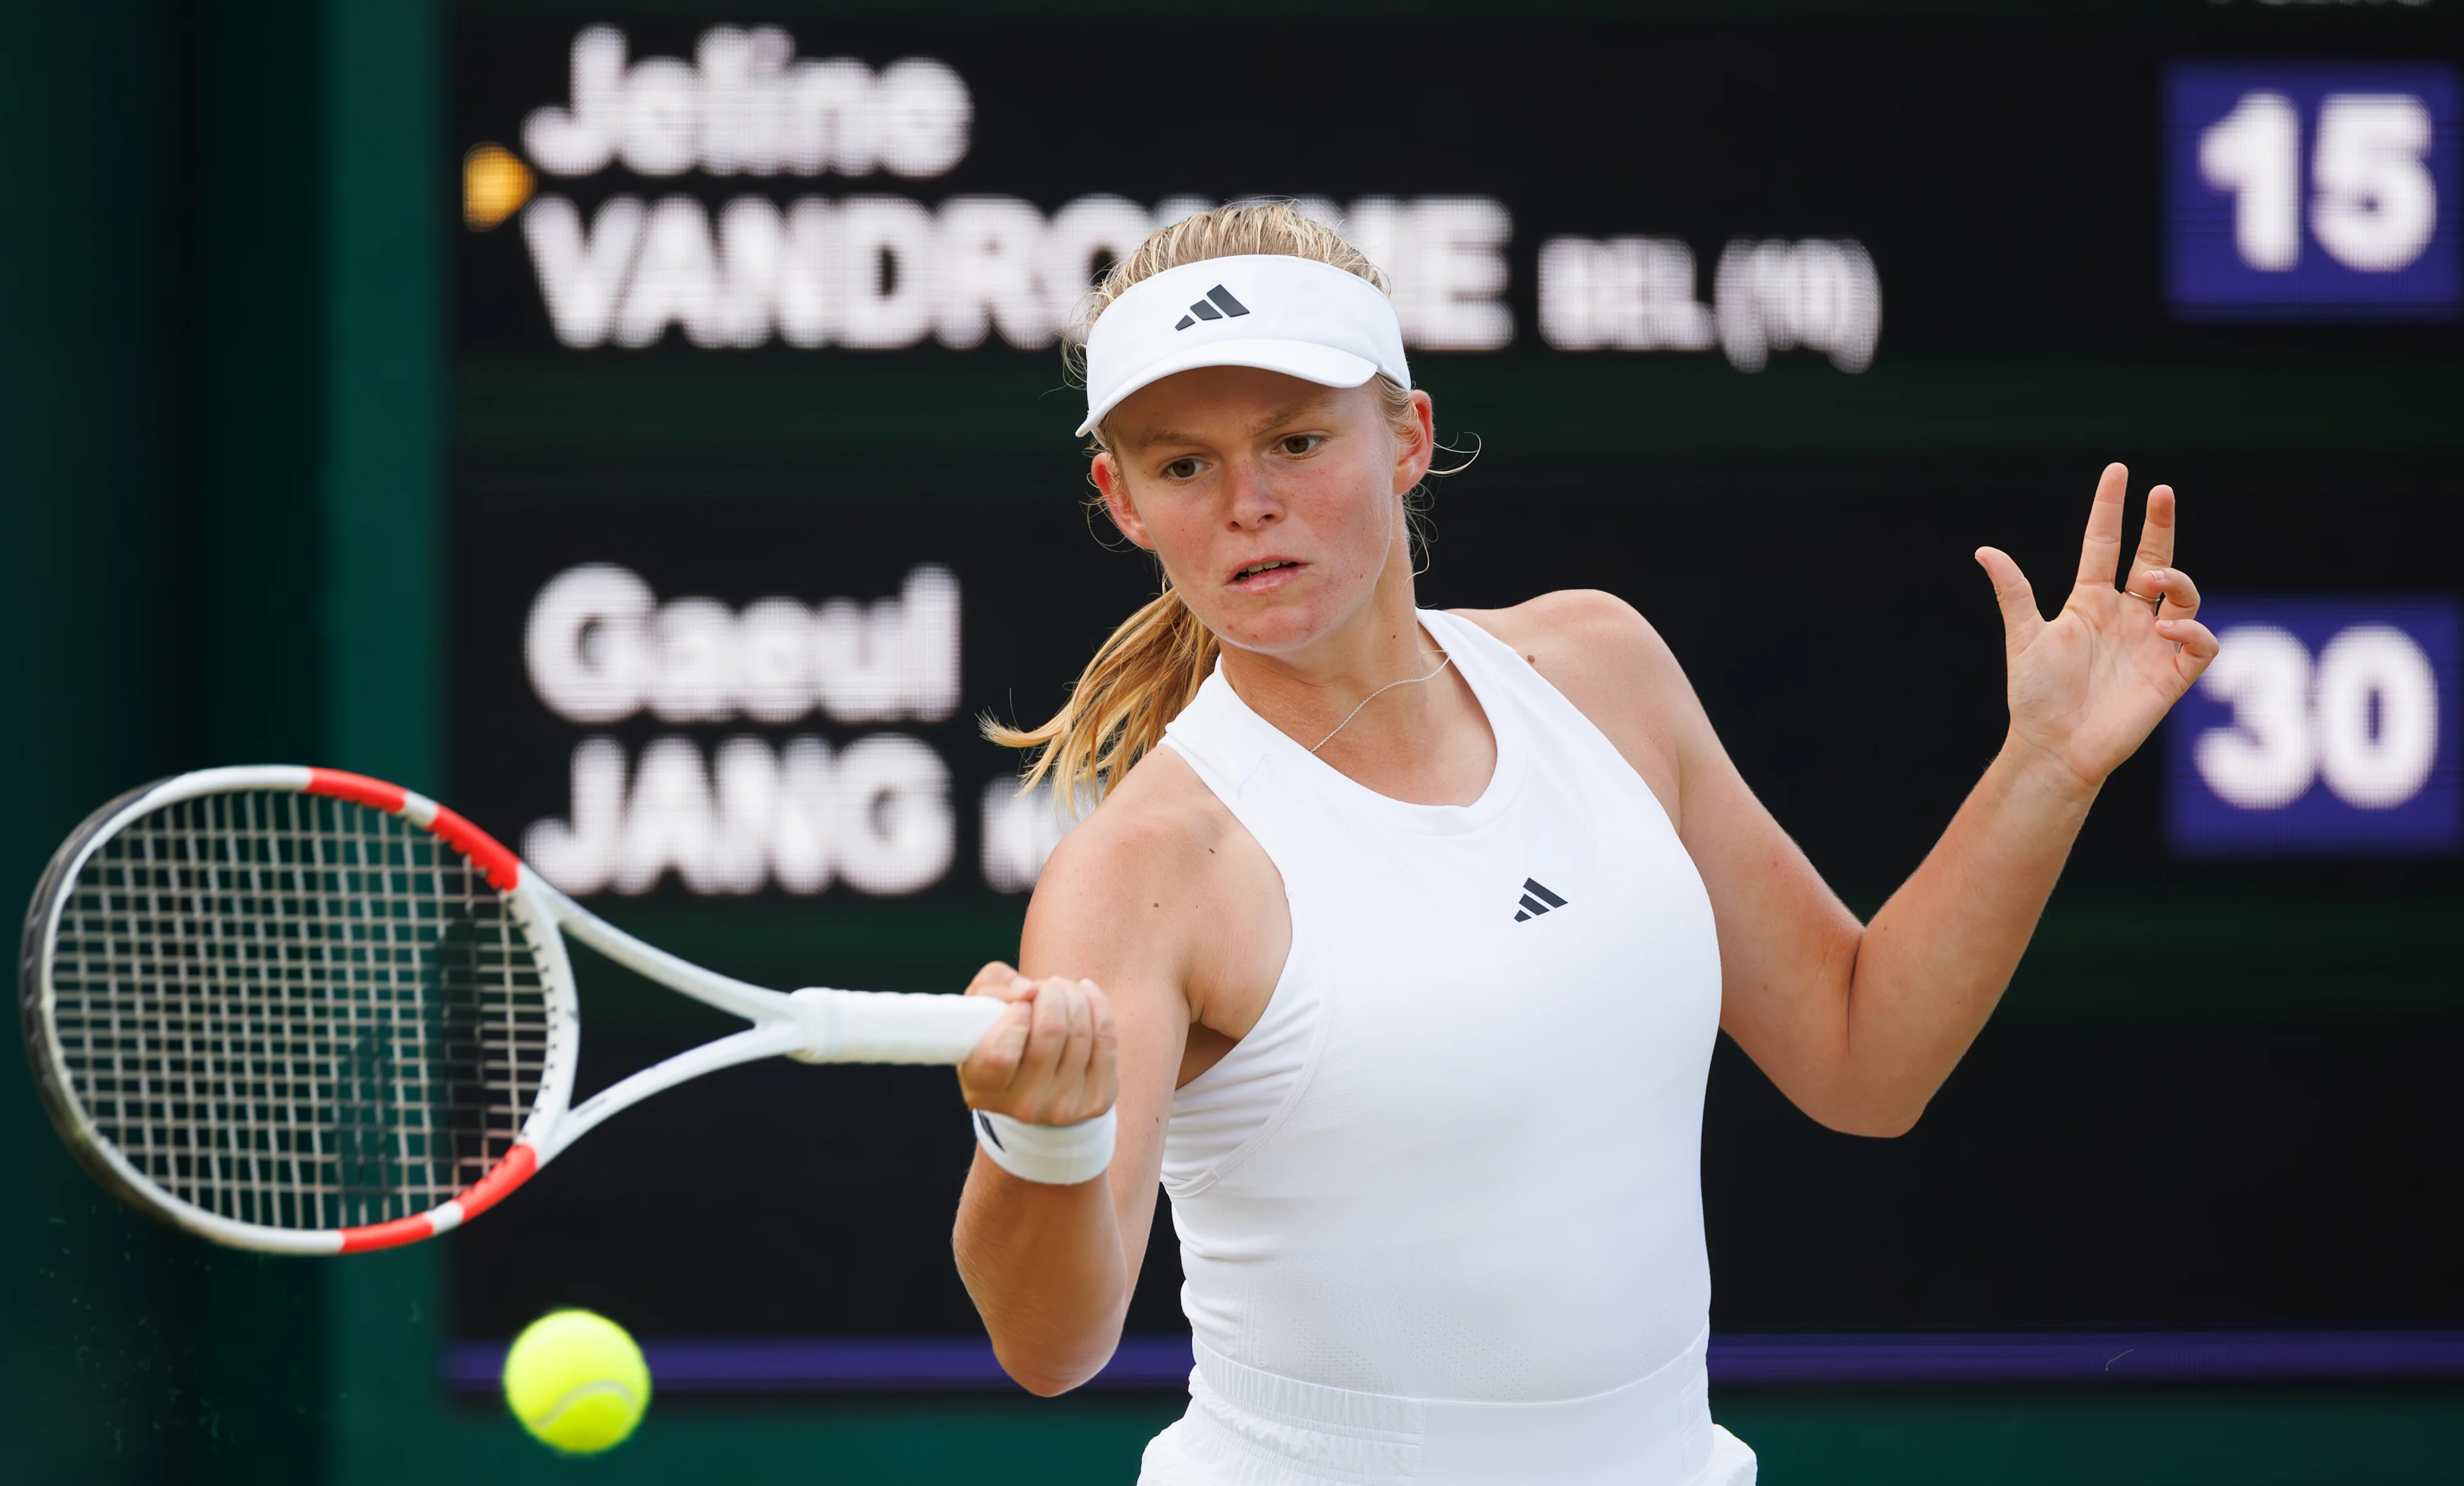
x=1057, y=1155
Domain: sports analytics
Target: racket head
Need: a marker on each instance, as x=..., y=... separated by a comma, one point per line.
x=296, y=1010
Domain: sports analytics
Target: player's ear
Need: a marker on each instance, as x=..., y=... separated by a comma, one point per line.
x=1106, y=473
x=1415, y=442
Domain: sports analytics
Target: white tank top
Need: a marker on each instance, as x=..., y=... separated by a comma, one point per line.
x=1439, y=1212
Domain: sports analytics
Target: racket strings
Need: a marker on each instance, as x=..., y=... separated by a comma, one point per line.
x=297, y=1012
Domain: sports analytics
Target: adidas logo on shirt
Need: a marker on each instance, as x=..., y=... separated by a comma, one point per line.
x=1218, y=304
x=1536, y=901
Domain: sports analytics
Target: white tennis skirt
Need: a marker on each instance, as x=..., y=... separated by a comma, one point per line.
x=1248, y=1428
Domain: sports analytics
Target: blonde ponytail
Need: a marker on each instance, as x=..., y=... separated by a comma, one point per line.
x=1138, y=680
x=1153, y=663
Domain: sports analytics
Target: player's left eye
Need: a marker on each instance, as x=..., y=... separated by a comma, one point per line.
x=1302, y=443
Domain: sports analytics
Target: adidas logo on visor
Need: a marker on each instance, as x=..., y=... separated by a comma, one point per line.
x=1536, y=901
x=1218, y=304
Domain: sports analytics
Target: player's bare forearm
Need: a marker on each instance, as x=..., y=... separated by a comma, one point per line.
x=1045, y=1267
x=1934, y=962
x=1859, y=1025
x=1042, y=1260
x=1051, y=1267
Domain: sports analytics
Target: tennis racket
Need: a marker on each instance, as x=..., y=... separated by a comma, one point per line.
x=307, y=1012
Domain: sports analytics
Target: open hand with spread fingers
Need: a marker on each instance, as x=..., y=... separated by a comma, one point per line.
x=2087, y=686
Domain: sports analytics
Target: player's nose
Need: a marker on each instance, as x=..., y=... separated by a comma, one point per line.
x=1251, y=497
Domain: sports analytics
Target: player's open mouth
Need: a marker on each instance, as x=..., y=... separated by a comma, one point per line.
x=1265, y=573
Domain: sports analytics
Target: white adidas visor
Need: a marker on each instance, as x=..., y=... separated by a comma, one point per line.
x=1294, y=315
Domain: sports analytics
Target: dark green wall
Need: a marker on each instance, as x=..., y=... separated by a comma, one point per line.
x=220, y=457
x=94, y=1365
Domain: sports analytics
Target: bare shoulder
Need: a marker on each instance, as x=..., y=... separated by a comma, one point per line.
x=1153, y=821
x=1576, y=630
x=1605, y=657
x=1159, y=884
x=1156, y=828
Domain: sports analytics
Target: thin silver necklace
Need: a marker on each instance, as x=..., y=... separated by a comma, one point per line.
x=1408, y=681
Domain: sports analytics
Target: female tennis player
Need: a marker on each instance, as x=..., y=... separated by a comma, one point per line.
x=1396, y=947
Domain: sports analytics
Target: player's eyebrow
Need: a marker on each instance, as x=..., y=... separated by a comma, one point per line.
x=1158, y=436
x=1290, y=412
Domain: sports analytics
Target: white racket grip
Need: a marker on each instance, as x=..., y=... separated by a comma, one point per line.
x=891, y=1027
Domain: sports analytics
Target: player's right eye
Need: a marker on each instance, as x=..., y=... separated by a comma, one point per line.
x=1181, y=469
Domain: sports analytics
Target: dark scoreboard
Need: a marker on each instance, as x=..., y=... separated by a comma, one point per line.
x=766, y=493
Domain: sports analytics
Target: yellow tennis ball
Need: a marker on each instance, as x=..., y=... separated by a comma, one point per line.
x=577, y=1381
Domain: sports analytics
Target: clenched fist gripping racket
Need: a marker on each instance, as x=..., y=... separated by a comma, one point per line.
x=308, y=1012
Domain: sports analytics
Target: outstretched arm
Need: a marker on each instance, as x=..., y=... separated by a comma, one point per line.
x=1860, y=1026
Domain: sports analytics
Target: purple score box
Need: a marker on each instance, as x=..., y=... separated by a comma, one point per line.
x=2248, y=770
x=2208, y=274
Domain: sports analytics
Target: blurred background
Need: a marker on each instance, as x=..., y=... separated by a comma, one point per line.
x=593, y=415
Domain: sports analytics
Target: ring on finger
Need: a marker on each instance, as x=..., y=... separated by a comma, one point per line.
x=2154, y=601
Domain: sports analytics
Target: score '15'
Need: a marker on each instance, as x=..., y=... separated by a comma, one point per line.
x=2373, y=203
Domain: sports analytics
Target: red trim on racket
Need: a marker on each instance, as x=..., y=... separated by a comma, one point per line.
x=357, y=788
x=500, y=1182
x=502, y=869
x=387, y=1236
x=479, y=1198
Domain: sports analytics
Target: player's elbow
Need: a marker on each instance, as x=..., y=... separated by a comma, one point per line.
x=1050, y=1353
x=1874, y=1118
x=1049, y=1374
x=1875, y=1126
x=1041, y=1384
x=1876, y=1103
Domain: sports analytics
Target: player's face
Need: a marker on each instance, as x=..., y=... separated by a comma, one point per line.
x=1275, y=503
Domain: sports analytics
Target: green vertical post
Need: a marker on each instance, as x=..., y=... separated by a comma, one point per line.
x=248, y=275
x=380, y=479
x=379, y=486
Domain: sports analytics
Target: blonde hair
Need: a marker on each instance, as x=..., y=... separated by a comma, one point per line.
x=1152, y=664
